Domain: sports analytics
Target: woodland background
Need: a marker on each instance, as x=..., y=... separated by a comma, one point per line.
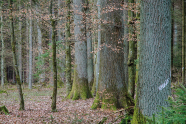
x=92, y=61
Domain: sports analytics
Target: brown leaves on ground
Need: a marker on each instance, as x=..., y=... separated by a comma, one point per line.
x=38, y=110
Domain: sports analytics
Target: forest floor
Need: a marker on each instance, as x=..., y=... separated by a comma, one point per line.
x=38, y=109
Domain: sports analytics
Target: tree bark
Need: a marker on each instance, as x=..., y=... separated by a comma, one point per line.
x=132, y=51
x=154, y=75
x=90, y=67
x=20, y=44
x=68, y=49
x=126, y=43
x=111, y=87
x=21, y=105
x=2, y=52
x=80, y=87
x=183, y=41
x=54, y=62
x=30, y=49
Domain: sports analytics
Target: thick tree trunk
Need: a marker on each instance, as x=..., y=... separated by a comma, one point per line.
x=68, y=50
x=111, y=87
x=21, y=105
x=154, y=81
x=80, y=87
x=30, y=49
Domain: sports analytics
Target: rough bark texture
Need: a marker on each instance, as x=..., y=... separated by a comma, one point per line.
x=30, y=50
x=68, y=50
x=132, y=51
x=21, y=105
x=154, y=75
x=80, y=87
x=111, y=87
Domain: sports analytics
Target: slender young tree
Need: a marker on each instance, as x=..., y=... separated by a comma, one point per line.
x=132, y=51
x=30, y=49
x=126, y=43
x=183, y=41
x=80, y=87
x=2, y=52
x=21, y=105
x=20, y=44
x=68, y=49
x=154, y=77
x=54, y=62
x=90, y=68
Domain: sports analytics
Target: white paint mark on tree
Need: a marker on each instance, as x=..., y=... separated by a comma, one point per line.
x=164, y=84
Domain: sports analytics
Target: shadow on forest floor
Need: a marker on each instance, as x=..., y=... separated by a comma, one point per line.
x=38, y=108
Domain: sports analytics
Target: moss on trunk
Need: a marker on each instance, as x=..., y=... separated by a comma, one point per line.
x=80, y=88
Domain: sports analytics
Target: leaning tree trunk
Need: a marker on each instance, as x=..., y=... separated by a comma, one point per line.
x=68, y=50
x=111, y=87
x=154, y=77
x=80, y=87
x=21, y=105
x=30, y=50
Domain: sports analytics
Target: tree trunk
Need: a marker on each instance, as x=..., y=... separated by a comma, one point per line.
x=21, y=105
x=111, y=87
x=60, y=34
x=132, y=51
x=183, y=41
x=154, y=81
x=99, y=45
x=30, y=49
x=68, y=50
x=90, y=67
x=20, y=44
x=2, y=52
x=126, y=43
x=80, y=87
x=54, y=62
